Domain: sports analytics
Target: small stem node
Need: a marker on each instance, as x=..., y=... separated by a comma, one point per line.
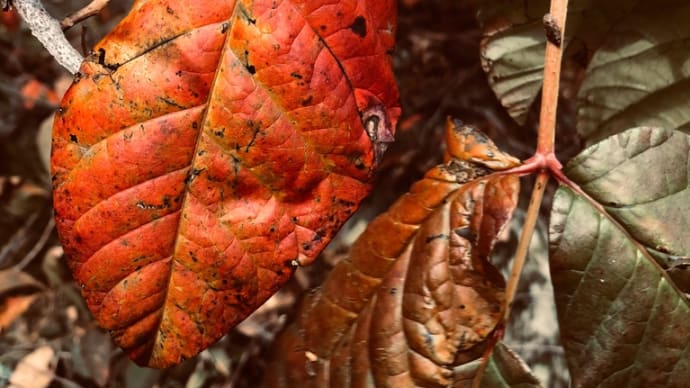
x=544, y=160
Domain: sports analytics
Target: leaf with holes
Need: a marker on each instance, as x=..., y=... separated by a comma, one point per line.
x=207, y=148
x=417, y=299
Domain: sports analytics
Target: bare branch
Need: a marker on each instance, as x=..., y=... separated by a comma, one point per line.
x=48, y=31
x=91, y=9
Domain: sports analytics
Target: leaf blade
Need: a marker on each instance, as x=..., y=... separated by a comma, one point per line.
x=622, y=317
x=638, y=76
x=221, y=148
x=514, y=42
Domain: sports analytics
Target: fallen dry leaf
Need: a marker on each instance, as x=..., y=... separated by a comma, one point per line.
x=12, y=307
x=17, y=291
x=35, y=91
x=35, y=370
x=13, y=281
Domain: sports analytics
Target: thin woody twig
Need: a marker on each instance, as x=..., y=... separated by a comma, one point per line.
x=47, y=30
x=544, y=159
x=84, y=48
x=91, y=9
x=554, y=23
x=40, y=244
x=525, y=238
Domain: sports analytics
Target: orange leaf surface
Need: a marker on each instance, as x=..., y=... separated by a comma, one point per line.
x=209, y=147
x=417, y=295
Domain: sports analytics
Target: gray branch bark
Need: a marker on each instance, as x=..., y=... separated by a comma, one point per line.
x=48, y=31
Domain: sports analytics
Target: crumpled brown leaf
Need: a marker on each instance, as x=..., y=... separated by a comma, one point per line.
x=417, y=296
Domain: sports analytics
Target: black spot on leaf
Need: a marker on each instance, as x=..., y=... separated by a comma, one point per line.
x=359, y=26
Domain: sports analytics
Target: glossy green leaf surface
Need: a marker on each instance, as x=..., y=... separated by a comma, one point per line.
x=624, y=320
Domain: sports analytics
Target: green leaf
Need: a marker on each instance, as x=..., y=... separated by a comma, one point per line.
x=634, y=53
x=512, y=51
x=624, y=322
x=640, y=76
x=505, y=369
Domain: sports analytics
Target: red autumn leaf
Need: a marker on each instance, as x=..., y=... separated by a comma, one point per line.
x=206, y=149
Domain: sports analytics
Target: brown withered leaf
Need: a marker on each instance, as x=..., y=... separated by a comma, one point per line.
x=17, y=291
x=417, y=296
